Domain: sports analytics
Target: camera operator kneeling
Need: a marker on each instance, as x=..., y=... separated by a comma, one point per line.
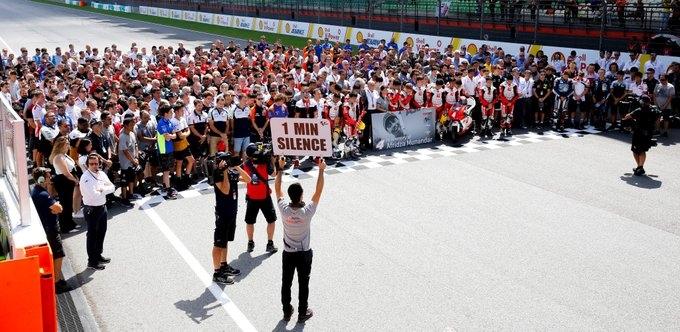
x=643, y=121
x=226, y=177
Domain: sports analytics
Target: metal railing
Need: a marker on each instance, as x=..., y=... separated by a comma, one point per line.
x=13, y=164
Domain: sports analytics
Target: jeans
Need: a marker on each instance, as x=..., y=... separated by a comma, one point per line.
x=302, y=261
x=96, y=218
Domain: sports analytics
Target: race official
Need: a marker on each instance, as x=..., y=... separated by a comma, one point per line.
x=94, y=186
x=297, y=252
x=226, y=208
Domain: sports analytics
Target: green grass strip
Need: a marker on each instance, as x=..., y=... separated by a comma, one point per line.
x=195, y=26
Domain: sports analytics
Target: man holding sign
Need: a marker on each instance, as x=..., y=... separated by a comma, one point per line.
x=301, y=137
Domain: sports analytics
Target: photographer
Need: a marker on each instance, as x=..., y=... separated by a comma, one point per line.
x=644, y=121
x=297, y=253
x=257, y=193
x=226, y=177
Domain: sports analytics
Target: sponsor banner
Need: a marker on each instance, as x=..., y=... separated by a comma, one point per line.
x=372, y=37
x=298, y=29
x=164, y=12
x=188, y=15
x=267, y=25
x=153, y=11
x=334, y=33
x=206, y=18
x=399, y=129
x=243, y=22
x=419, y=41
x=223, y=20
x=176, y=14
x=144, y=10
x=301, y=137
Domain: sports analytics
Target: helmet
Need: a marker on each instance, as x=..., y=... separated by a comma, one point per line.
x=251, y=149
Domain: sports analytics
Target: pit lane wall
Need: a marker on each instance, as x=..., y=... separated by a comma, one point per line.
x=336, y=33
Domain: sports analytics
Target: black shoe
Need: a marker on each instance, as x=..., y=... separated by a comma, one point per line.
x=222, y=278
x=126, y=203
x=639, y=171
x=306, y=316
x=97, y=266
x=62, y=286
x=104, y=260
x=287, y=314
x=229, y=270
x=251, y=246
x=271, y=248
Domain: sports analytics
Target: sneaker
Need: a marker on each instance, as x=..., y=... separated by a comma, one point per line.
x=641, y=171
x=287, y=314
x=222, y=278
x=97, y=266
x=79, y=214
x=229, y=270
x=306, y=316
x=62, y=286
x=508, y=132
x=271, y=248
x=104, y=260
x=251, y=246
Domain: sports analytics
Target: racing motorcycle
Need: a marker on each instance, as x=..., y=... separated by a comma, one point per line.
x=457, y=122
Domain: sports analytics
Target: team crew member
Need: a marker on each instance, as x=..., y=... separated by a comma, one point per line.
x=542, y=93
x=95, y=185
x=182, y=152
x=619, y=91
x=48, y=209
x=127, y=156
x=226, y=208
x=240, y=124
x=297, y=252
x=260, y=121
x=645, y=121
x=258, y=199
x=600, y=95
x=663, y=95
x=164, y=136
x=218, y=121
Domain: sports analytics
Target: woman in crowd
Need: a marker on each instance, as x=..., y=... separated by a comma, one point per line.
x=64, y=181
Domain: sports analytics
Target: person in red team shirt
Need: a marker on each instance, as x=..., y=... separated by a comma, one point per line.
x=509, y=94
x=437, y=97
x=352, y=115
x=333, y=114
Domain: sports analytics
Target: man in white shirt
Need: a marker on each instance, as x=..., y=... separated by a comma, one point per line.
x=526, y=90
x=653, y=63
x=633, y=62
x=94, y=186
x=297, y=252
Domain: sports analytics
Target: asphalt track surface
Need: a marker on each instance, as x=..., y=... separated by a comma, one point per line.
x=550, y=235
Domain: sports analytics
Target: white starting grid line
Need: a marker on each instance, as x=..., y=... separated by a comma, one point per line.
x=225, y=302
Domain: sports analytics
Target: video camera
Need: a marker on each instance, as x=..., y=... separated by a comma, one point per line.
x=215, y=172
x=259, y=153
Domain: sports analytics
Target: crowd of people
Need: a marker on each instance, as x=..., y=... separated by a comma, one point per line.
x=124, y=116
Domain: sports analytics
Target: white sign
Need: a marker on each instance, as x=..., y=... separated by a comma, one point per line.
x=176, y=14
x=189, y=15
x=223, y=20
x=301, y=137
x=206, y=18
x=294, y=28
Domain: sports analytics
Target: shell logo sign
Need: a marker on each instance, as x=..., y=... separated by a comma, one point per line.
x=287, y=27
x=320, y=31
x=261, y=25
x=471, y=49
x=360, y=37
x=238, y=22
x=409, y=41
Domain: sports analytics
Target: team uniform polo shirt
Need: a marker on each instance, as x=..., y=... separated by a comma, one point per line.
x=43, y=201
x=199, y=120
x=241, y=122
x=164, y=127
x=296, y=226
x=220, y=118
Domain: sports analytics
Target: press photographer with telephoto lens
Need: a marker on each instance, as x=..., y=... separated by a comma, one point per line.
x=227, y=174
x=642, y=121
x=258, y=193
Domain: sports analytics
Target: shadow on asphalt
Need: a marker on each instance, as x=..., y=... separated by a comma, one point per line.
x=283, y=326
x=80, y=279
x=199, y=309
x=645, y=181
x=247, y=263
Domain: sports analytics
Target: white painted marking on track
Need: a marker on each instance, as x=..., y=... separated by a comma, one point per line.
x=227, y=304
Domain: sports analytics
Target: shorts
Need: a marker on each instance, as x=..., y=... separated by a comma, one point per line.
x=166, y=162
x=54, y=240
x=253, y=207
x=641, y=143
x=198, y=149
x=240, y=143
x=225, y=228
x=128, y=175
x=180, y=155
x=152, y=158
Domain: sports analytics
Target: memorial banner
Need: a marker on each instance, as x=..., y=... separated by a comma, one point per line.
x=405, y=128
x=301, y=137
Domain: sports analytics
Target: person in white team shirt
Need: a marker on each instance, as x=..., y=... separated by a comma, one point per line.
x=297, y=252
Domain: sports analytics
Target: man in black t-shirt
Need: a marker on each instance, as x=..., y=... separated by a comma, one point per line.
x=645, y=119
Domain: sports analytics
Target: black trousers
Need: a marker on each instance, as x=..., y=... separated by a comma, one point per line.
x=302, y=262
x=65, y=188
x=96, y=218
